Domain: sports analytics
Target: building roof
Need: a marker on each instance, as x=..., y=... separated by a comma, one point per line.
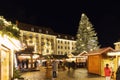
x=100, y=51
x=44, y=30
x=38, y=29
x=82, y=53
x=65, y=36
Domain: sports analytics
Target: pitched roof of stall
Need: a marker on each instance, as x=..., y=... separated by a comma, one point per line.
x=82, y=53
x=100, y=51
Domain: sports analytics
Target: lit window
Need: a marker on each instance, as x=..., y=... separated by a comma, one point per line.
x=40, y=30
x=58, y=35
x=32, y=29
x=58, y=52
x=61, y=52
x=48, y=44
x=73, y=48
x=68, y=42
x=65, y=36
x=72, y=37
x=24, y=33
x=47, y=51
x=68, y=47
x=65, y=47
x=65, y=42
x=46, y=32
x=30, y=41
x=42, y=43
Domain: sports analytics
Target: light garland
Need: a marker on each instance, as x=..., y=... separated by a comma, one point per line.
x=8, y=28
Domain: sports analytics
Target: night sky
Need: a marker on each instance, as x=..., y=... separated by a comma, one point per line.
x=64, y=16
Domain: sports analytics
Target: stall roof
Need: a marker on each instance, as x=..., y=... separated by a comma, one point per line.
x=55, y=56
x=70, y=55
x=100, y=51
x=60, y=56
x=82, y=54
x=28, y=50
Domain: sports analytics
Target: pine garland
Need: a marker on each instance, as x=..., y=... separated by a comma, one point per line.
x=9, y=29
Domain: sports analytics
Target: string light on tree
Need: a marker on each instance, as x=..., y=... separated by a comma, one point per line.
x=87, y=39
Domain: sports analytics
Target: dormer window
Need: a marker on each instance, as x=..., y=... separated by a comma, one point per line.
x=40, y=30
x=47, y=32
x=66, y=37
x=58, y=35
x=72, y=37
x=32, y=29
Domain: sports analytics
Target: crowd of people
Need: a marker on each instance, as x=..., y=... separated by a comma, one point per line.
x=67, y=64
x=58, y=65
x=61, y=65
x=24, y=64
x=108, y=72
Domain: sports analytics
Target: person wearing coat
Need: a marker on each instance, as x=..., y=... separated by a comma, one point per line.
x=107, y=71
x=54, y=69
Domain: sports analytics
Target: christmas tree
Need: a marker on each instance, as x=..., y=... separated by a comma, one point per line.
x=87, y=39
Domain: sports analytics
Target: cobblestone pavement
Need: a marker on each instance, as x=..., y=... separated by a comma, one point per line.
x=78, y=74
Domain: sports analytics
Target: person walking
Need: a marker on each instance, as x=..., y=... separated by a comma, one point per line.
x=54, y=69
x=118, y=73
x=35, y=64
x=23, y=63
x=27, y=62
x=107, y=72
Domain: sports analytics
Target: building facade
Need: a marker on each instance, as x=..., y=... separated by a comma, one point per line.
x=65, y=44
x=8, y=47
x=45, y=41
x=117, y=45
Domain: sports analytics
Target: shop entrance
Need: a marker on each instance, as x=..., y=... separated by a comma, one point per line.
x=4, y=63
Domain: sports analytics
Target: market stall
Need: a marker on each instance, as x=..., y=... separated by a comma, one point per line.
x=98, y=59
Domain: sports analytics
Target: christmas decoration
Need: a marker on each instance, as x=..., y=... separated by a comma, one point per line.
x=8, y=28
x=86, y=36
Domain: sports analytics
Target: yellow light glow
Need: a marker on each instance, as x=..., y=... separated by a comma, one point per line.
x=10, y=43
x=113, y=53
x=24, y=57
x=35, y=56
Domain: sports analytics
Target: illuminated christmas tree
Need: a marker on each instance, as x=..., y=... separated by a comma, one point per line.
x=87, y=39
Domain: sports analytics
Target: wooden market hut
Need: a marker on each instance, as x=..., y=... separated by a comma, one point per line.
x=81, y=57
x=98, y=59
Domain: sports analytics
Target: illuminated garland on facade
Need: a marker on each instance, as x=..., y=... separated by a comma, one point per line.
x=8, y=28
